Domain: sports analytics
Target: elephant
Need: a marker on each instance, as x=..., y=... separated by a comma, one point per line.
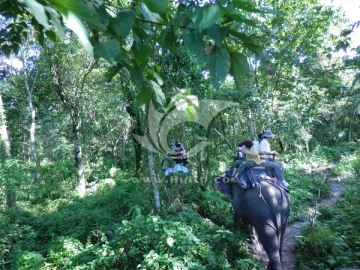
x=266, y=209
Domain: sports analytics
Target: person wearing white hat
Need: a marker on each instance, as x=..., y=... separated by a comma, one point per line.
x=266, y=155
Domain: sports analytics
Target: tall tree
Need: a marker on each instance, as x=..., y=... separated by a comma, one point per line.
x=69, y=69
x=9, y=187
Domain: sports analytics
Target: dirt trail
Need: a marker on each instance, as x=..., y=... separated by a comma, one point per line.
x=293, y=230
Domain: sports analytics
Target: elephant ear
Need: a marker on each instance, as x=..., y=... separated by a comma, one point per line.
x=223, y=185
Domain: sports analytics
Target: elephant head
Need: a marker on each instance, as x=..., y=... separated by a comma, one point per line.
x=265, y=208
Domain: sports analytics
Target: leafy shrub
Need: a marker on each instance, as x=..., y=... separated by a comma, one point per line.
x=322, y=246
x=15, y=240
x=154, y=243
x=356, y=163
x=334, y=240
x=305, y=190
x=29, y=260
x=58, y=180
x=217, y=207
x=63, y=250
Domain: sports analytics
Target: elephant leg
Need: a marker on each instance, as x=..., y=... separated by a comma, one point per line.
x=270, y=241
x=236, y=204
x=281, y=239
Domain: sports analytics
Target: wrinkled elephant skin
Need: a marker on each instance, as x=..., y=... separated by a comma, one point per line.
x=268, y=214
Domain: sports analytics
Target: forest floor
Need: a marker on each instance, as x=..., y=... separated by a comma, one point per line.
x=293, y=230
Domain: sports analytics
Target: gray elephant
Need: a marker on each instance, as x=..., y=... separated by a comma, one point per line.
x=266, y=208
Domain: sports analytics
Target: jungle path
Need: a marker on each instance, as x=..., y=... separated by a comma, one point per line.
x=294, y=230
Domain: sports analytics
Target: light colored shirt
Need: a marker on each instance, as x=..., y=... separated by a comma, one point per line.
x=264, y=146
x=256, y=145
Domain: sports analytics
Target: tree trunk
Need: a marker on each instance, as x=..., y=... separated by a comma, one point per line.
x=81, y=182
x=32, y=130
x=154, y=181
x=136, y=129
x=9, y=189
x=251, y=129
x=350, y=129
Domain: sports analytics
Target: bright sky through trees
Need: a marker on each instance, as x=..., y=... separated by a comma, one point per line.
x=352, y=12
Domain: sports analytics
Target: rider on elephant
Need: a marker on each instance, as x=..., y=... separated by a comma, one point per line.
x=267, y=160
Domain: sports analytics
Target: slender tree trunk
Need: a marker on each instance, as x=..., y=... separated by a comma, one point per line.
x=136, y=129
x=251, y=129
x=32, y=130
x=154, y=181
x=10, y=189
x=350, y=129
x=3, y=129
x=81, y=182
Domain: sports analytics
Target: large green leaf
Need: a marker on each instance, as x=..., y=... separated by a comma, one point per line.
x=124, y=22
x=194, y=43
x=55, y=18
x=251, y=42
x=206, y=16
x=107, y=48
x=168, y=39
x=217, y=33
x=159, y=94
x=141, y=54
x=157, y=6
x=81, y=9
x=219, y=65
x=78, y=27
x=148, y=14
x=137, y=77
x=240, y=71
x=38, y=11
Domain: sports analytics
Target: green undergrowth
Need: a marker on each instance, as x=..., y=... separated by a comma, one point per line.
x=331, y=240
x=116, y=227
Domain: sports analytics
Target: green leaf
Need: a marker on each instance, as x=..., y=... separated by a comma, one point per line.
x=158, y=78
x=55, y=18
x=245, y=5
x=107, y=48
x=231, y=15
x=124, y=22
x=83, y=10
x=219, y=65
x=51, y=35
x=168, y=39
x=148, y=15
x=191, y=113
x=112, y=71
x=76, y=25
x=206, y=16
x=144, y=96
x=140, y=54
x=217, y=34
x=159, y=94
x=194, y=43
x=157, y=6
x=240, y=71
x=38, y=11
x=251, y=42
x=136, y=77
